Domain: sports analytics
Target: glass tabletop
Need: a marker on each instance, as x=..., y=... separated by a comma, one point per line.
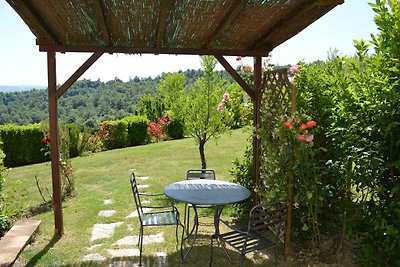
x=207, y=192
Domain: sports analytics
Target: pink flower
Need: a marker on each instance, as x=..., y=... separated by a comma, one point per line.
x=309, y=138
x=294, y=68
x=301, y=137
x=220, y=106
x=226, y=97
x=270, y=54
x=238, y=58
x=289, y=124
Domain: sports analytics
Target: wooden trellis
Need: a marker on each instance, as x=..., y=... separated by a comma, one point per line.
x=278, y=97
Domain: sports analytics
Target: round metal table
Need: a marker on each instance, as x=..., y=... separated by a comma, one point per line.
x=215, y=193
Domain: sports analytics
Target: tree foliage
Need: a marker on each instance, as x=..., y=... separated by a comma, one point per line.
x=196, y=104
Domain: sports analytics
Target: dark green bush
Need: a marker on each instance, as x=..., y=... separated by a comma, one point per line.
x=137, y=130
x=74, y=139
x=4, y=222
x=175, y=129
x=114, y=134
x=22, y=144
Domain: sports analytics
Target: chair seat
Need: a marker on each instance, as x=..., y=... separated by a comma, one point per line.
x=168, y=217
x=255, y=241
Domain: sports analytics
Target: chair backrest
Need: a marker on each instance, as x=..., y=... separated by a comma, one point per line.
x=135, y=193
x=270, y=216
x=200, y=174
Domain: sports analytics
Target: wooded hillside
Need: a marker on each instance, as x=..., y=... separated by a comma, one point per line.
x=86, y=103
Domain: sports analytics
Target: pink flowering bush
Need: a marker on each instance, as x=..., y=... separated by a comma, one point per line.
x=158, y=130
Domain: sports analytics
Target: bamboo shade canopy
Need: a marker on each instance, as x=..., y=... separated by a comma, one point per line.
x=213, y=27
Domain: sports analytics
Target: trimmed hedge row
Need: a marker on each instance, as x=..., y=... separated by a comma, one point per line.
x=22, y=144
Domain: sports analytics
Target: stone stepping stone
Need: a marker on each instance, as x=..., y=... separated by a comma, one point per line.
x=107, y=202
x=94, y=257
x=140, y=186
x=135, y=213
x=107, y=213
x=147, y=239
x=126, y=252
x=129, y=227
x=143, y=178
x=161, y=259
x=101, y=230
x=95, y=246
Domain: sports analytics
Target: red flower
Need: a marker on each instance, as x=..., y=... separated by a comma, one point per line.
x=45, y=140
x=289, y=124
x=311, y=124
x=238, y=58
x=303, y=127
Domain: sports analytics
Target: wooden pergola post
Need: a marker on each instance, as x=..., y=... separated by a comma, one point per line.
x=54, y=151
x=256, y=124
x=53, y=95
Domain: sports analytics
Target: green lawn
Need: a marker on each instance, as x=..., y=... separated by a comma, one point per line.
x=105, y=175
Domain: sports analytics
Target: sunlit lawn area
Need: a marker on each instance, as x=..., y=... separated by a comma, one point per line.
x=105, y=175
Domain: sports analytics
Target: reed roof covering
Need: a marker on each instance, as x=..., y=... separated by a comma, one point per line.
x=214, y=27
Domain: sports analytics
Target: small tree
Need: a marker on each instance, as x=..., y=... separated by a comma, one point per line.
x=199, y=105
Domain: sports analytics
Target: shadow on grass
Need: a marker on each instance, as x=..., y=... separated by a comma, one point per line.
x=37, y=257
x=199, y=257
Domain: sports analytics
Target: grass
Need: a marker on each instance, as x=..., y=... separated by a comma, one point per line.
x=105, y=175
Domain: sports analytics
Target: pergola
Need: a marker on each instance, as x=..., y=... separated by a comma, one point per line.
x=203, y=27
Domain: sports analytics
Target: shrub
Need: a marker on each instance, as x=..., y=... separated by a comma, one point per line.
x=175, y=129
x=137, y=130
x=4, y=222
x=21, y=144
x=74, y=133
x=114, y=134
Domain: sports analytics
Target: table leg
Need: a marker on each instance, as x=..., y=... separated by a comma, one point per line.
x=195, y=229
x=216, y=235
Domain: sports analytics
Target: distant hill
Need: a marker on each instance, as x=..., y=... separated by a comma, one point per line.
x=86, y=103
x=20, y=88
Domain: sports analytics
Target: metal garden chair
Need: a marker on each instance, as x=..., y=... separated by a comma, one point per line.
x=194, y=174
x=266, y=227
x=158, y=216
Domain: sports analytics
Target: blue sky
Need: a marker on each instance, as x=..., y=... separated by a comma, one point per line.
x=22, y=63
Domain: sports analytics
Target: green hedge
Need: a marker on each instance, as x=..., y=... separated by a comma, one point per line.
x=4, y=223
x=117, y=136
x=175, y=129
x=74, y=139
x=22, y=144
x=137, y=130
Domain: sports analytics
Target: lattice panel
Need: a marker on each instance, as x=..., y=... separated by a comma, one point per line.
x=278, y=99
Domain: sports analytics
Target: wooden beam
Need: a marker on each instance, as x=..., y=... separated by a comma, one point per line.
x=149, y=50
x=282, y=23
x=54, y=151
x=27, y=8
x=256, y=126
x=78, y=73
x=236, y=76
x=329, y=2
x=165, y=7
x=98, y=7
x=233, y=12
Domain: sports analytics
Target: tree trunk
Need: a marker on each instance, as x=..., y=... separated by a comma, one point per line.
x=202, y=155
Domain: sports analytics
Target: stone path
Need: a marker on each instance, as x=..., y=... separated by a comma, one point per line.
x=126, y=246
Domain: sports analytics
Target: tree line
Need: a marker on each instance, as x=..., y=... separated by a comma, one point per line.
x=86, y=103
